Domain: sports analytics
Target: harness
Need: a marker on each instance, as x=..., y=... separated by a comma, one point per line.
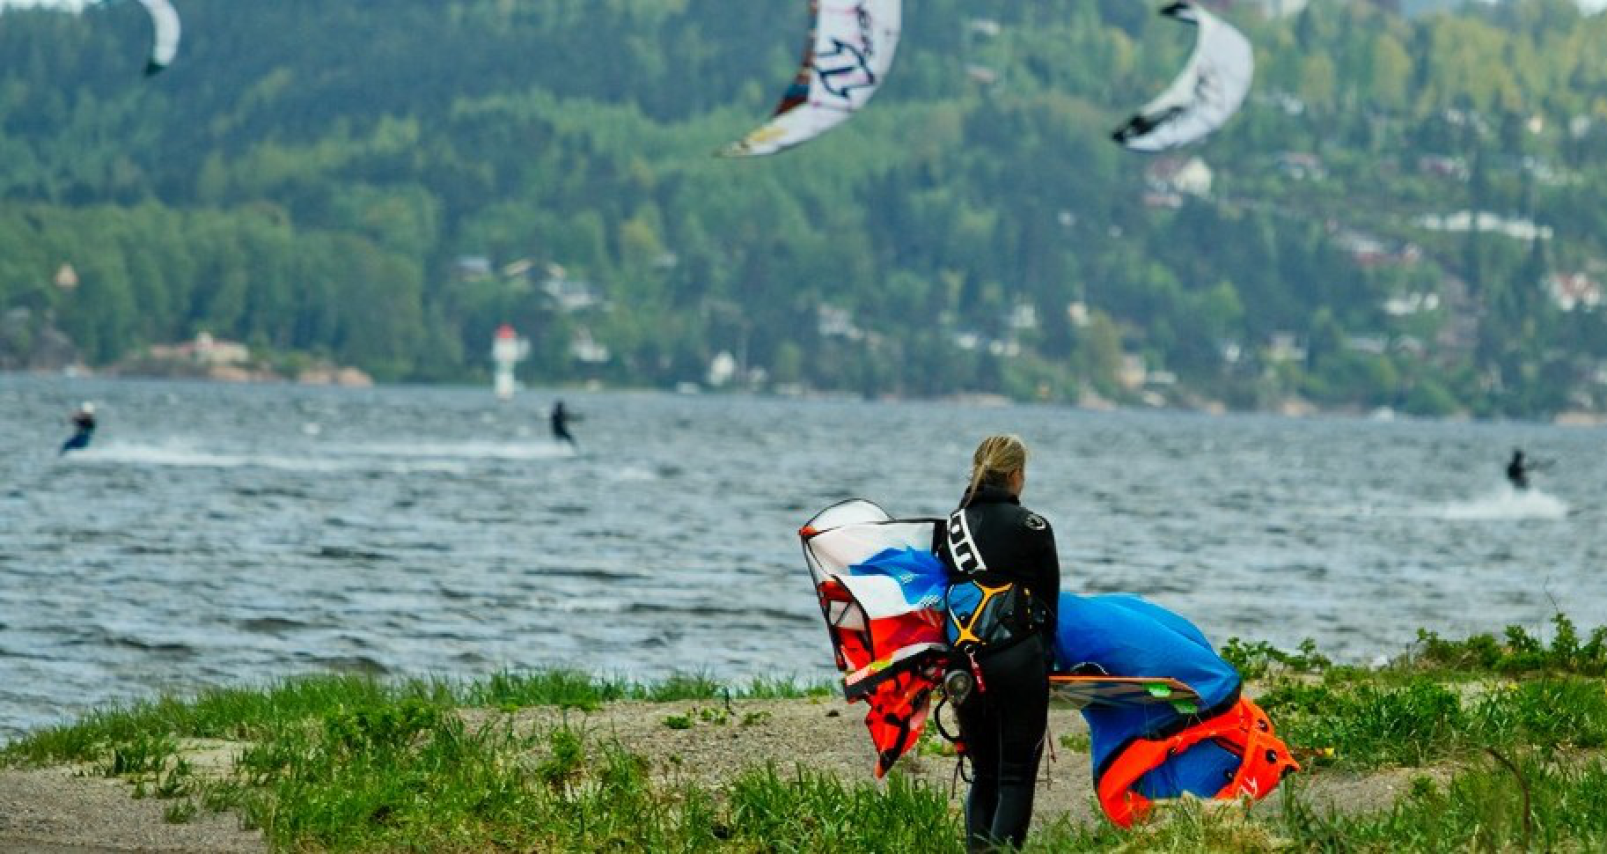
x=985, y=610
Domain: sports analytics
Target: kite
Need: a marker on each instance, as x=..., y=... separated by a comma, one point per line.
x=851, y=48
x=165, y=41
x=1210, y=90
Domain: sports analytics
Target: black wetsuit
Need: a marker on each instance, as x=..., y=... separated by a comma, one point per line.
x=83, y=431
x=560, y=424
x=1004, y=724
x=1517, y=472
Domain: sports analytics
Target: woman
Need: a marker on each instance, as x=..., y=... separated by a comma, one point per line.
x=1004, y=585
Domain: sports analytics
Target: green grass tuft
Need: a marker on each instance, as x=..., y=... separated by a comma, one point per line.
x=1520, y=652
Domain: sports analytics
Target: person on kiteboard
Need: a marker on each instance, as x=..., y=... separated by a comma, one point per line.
x=1518, y=470
x=83, y=422
x=1004, y=588
x=1521, y=466
x=560, y=425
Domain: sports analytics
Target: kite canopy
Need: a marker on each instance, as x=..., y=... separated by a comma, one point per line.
x=165, y=43
x=1210, y=90
x=1123, y=634
x=850, y=50
x=881, y=592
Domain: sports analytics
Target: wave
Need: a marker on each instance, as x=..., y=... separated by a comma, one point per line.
x=1507, y=504
x=474, y=450
x=184, y=455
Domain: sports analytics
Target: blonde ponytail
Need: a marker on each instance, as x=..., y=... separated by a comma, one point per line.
x=994, y=460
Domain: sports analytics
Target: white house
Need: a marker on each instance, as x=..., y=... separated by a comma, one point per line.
x=1188, y=176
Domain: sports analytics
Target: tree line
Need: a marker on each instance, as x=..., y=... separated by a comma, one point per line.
x=385, y=183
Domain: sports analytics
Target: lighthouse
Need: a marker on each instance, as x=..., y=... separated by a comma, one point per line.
x=507, y=351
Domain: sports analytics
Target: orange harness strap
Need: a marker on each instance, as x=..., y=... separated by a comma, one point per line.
x=1243, y=729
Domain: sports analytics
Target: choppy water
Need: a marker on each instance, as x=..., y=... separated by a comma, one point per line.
x=233, y=534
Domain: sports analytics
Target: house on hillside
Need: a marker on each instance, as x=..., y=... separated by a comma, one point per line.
x=1133, y=373
x=1169, y=179
x=1369, y=250
x=1188, y=176
x=569, y=295
x=204, y=350
x=587, y=350
x=1285, y=347
x=470, y=268
x=1371, y=345
x=1416, y=302
x=834, y=322
x=1077, y=313
x=1485, y=222
x=1023, y=318
x=1574, y=291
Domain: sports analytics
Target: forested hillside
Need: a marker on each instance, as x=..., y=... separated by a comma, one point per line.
x=385, y=182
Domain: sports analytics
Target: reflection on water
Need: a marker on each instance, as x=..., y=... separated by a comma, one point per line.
x=232, y=534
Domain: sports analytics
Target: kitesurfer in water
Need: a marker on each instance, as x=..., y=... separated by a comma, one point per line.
x=1521, y=466
x=992, y=540
x=1518, y=470
x=560, y=425
x=83, y=422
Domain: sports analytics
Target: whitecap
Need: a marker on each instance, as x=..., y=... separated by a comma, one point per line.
x=1507, y=504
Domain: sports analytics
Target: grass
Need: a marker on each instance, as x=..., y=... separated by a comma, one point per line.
x=244, y=714
x=1497, y=804
x=1528, y=804
x=345, y=763
x=1521, y=653
x=1434, y=705
x=400, y=778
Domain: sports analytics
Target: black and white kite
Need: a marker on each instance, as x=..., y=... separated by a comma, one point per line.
x=1210, y=90
x=166, y=32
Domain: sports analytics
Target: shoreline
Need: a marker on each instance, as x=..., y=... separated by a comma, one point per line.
x=563, y=761
x=1567, y=419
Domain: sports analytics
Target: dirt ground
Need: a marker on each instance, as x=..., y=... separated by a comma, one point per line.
x=59, y=810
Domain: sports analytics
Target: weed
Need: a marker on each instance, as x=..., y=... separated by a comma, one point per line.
x=563, y=766
x=679, y=721
x=755, y=718
x=392, y=726
x=177, y=781
x=180, y=812
x=934, y=744
x=1258, y=659
x=1079, y=742
x=139, y=754
x=1520, y=652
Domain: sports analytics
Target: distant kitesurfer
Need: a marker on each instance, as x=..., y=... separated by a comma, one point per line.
x=1520, y=467
x=1007, y=638
x=1518, y=470
x=83, y=422
x=560, y=425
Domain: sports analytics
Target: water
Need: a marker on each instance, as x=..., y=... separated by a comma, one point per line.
x=234, y=534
